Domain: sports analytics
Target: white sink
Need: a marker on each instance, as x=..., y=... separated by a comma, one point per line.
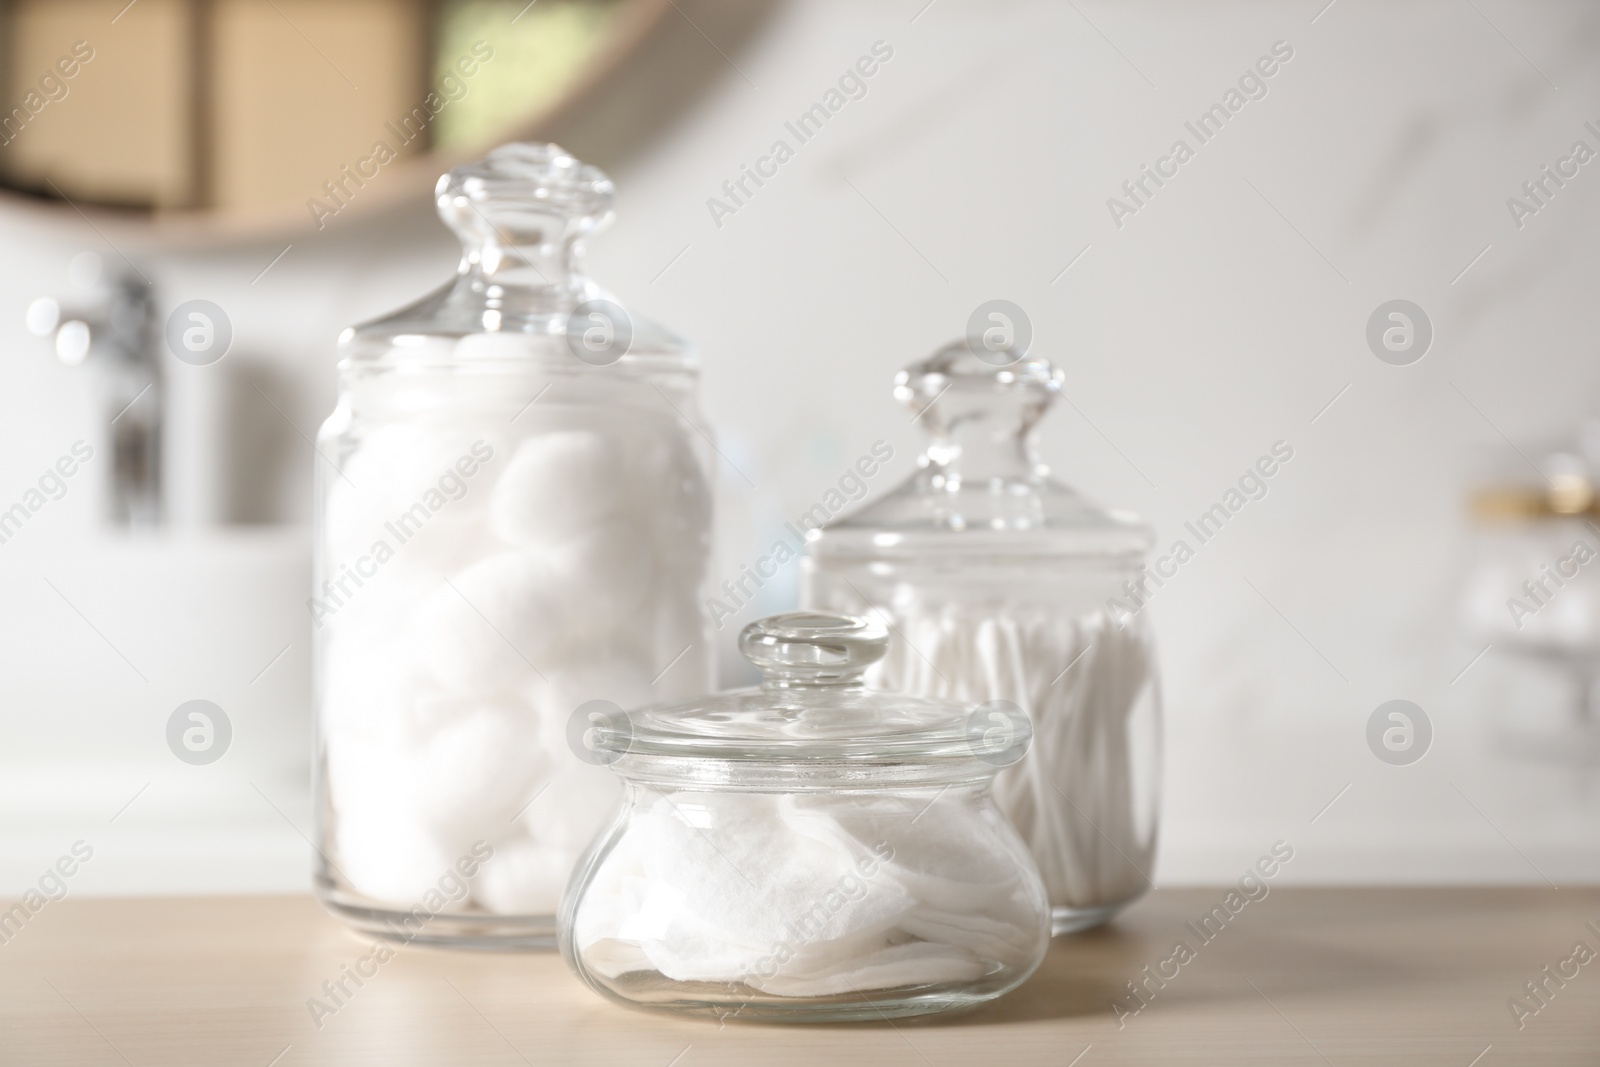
x=100, y=642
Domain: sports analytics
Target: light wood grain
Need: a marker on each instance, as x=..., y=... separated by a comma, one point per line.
x=1305, y=976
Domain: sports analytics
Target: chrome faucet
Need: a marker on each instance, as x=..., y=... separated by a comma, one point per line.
x=115, y=335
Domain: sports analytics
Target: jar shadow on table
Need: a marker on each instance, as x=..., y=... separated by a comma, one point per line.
x=1080, y=977
x=1298, y=951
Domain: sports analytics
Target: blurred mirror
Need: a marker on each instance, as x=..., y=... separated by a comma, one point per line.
x=261, y=114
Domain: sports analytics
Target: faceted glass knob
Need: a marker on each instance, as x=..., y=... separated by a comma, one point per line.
x=523, y=210
x=805, y=648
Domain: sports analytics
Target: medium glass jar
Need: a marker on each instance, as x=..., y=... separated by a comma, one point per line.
x=808, y=849
x=1002, y=584
x=512, y=521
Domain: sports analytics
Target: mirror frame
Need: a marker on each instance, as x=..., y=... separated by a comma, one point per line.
x=412, y=177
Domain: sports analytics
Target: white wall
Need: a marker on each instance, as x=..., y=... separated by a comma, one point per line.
x=1221, y=318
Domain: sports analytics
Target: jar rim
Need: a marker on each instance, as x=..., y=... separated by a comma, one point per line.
x=819, y=730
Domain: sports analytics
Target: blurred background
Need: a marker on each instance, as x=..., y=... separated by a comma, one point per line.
x=159, y=152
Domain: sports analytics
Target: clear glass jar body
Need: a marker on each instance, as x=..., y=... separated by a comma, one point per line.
x=510, y=528
x=830, y=903
x=451, y=657
x=1086, y=797
x=999, y=583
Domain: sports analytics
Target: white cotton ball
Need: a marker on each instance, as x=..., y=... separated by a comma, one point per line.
x=523, y=877
x=558, y=485
x=368, y=688
x=604, y=574
x=623, y=680
x=478, y=347
x=364, y=774
x=391, y=466
x=385, y=852
x=479, y=768
x=577, y=804
x=405, y=493
x=487, y=625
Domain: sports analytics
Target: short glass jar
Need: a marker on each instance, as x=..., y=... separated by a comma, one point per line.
x=809, y=849
x=1000, y=583
x=513, y=520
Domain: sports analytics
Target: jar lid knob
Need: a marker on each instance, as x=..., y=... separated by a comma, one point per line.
x=523, y=211
x=805, y=648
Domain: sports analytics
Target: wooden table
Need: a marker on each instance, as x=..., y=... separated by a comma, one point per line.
x=1304, y=976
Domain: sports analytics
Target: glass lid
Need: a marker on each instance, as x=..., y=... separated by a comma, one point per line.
x=813, y=706
x=522, y=215
x=980, y=487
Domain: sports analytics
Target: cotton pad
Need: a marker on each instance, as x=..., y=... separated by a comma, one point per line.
x=788, y=895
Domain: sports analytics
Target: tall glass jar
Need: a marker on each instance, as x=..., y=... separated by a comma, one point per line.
x=513, y=521
x=1002, y=584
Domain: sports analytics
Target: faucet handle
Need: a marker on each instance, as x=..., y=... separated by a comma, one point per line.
x=73, y=328
x=119, y=308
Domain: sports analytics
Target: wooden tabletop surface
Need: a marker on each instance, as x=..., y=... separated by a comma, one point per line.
x=1304, y=976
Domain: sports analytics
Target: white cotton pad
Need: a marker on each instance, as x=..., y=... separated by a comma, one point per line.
x=793, y=895
x=914, y=964
x=523, y=877
x=558, y=486
x=742, y=886
x=616, y=893
x=487, y=625
x=944, y=854
x=1010, y=940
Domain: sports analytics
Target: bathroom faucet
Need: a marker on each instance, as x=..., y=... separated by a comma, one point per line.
x=115, y=335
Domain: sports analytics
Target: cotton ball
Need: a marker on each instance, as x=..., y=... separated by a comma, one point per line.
x=363, y=774
x=574, y=807
x=390, y=469
x=404, y=496
x=624, y=681
x=488, y=624
x=367, y=691
x=383, y=851
x=604, y=574
x=557, y=486
x=480, y=347
x=479, y=768
x=523, y=877
x=370, y=617
x=380, y=845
